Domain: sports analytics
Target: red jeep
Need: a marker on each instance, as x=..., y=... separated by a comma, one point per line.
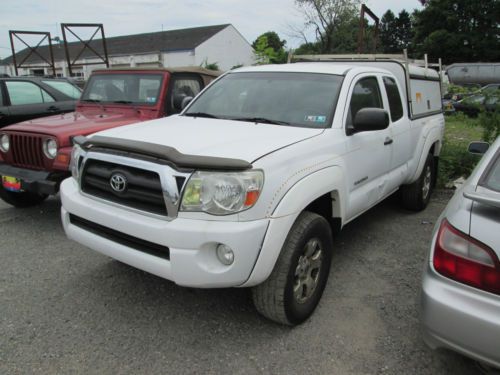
x=35, y=155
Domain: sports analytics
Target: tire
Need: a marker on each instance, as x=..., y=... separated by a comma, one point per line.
x=294, y=288
x=21, y=200
x=416, y=196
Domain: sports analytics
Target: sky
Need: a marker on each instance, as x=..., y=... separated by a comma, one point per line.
x=251, y=18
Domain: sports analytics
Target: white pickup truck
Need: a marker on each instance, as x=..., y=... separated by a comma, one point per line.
x=246, y=186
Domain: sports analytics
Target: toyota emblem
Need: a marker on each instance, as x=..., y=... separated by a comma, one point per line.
x=118, y=182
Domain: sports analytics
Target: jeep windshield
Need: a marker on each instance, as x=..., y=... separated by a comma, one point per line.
x=139, y=89
x=281, y=98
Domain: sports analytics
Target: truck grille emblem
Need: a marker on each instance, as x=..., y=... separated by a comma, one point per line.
x=118, y=182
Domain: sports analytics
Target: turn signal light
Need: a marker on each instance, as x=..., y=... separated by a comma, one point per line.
x=466, y=260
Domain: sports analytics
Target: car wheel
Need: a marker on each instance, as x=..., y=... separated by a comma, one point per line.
x=416, y=196
x=22, y=199
x=294, y=288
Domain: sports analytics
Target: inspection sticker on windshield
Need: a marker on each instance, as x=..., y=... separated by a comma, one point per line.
x=312, y=118
x=150, y=99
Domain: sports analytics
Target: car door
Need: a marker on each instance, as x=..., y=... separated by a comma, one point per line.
x=28, y=100
x=4, y=109
x=399, y=133
x=64, y=92
x=369, y=153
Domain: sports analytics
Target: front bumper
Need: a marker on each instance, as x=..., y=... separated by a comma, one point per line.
x=40, y=182
x=460, y=318
x=191, y=243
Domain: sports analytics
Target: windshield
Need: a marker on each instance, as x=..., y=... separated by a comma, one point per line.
x=65, y=87
x=296, y=99
x=123, y=88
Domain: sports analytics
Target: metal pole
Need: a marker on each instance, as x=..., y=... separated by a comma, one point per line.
x=13, y=51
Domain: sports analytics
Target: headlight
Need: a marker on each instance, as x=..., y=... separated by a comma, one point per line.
x=50, y=148
x=76, y=159
x=5, y=143
x=220, y=193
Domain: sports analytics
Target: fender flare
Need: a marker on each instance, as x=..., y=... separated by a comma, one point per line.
x=433, y=137
x=296, y=199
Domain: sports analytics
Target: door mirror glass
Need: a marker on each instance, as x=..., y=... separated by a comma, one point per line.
x=478, y=148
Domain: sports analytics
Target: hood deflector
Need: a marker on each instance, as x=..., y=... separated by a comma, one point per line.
x=166, y=153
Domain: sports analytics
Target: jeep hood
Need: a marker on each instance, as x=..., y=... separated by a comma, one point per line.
x=214, y=137
x=76, y=123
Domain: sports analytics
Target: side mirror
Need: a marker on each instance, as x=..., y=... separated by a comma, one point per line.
x=478, y=148
x=186, y=101
x=369, y=119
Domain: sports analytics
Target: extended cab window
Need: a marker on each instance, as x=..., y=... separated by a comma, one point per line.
x=366, y=94
x=27, y=93
x=183, y=87
x=395, y=105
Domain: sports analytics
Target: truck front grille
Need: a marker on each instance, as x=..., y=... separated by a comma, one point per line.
x=27, y=150
x=142, y=189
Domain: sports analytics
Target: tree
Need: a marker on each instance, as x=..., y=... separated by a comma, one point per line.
x=325, y=17
x=388, y=35
x=269, y=49
x=404, y=30
x=458, y=30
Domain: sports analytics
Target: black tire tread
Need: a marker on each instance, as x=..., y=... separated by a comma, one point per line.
x=411, y=195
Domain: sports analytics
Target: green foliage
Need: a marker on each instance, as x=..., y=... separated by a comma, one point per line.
x=396, y=33
x=266, y=54
x=455, y=161
x=490, y=122
x=273, y=41
x=458, y=30
x=210, y=66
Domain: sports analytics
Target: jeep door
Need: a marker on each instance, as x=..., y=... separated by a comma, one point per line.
x=368, y=156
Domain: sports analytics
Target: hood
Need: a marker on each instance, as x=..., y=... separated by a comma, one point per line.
x=214, y=137
x=77, y=123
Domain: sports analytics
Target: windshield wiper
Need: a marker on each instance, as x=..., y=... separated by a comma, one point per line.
x=262, y=120
x=91, y=100
x=200, y=114
x=122, y=101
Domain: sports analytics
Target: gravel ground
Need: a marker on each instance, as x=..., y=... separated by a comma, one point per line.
x=65, y=309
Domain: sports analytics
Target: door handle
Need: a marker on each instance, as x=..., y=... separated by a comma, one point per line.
x=53, y=108
x=388, y=141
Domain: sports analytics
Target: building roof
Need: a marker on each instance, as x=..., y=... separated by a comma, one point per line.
x=161, y=41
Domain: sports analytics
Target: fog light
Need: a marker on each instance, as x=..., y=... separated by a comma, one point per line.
x=225, y=254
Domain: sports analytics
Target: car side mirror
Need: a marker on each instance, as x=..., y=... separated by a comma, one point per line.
x=478, y=148
x=369, y=119
x=186, y=101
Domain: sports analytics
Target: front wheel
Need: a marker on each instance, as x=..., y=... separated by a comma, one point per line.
x=21, y=199
x=417, y=195
x=294, y=288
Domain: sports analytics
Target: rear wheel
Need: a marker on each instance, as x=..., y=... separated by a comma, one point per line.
x=22, y=199
x=416, y=196
x=294, y=288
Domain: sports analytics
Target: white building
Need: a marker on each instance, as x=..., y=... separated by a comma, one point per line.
x=220, y=44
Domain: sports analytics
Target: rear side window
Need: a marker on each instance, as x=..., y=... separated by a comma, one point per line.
x=27, y=93
x=366, y=94
x=395, y=105
x=182, y=88
x=65, y=87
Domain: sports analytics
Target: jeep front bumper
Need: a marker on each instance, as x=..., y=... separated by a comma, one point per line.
x=33, y=181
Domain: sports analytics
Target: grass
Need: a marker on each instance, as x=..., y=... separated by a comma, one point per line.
x=455, y=161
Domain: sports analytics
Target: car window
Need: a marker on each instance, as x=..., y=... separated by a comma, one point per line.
x=366, y=94
x=492, y=180
x=395, y=105
x=27, y=93
x=123, y=88
x=182, y=88
x=283, y=98
x=65, y=87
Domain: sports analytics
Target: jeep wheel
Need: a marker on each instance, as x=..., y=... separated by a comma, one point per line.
x=294, y=288
x=416, y=196
x=21, y=200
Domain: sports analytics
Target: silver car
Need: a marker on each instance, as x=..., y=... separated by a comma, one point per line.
x=461, y=281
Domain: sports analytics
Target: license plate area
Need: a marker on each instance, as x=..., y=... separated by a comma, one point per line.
x=11, y=183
